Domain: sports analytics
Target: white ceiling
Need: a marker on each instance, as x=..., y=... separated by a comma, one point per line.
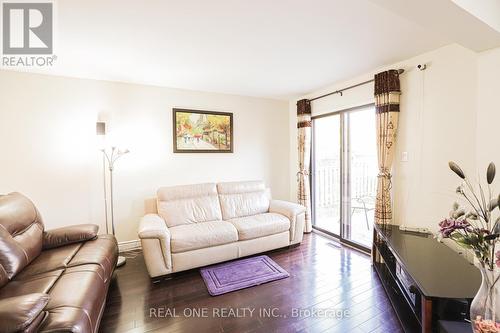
x=465, y=22
x=277, y=49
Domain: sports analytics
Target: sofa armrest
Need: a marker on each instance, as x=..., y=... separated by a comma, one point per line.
x=153, y=226
x=68, y=235
x=289, y=209
x=17, y=313
x=295, y=214
x=155, y=242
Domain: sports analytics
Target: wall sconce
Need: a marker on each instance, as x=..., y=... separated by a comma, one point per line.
x=100, y=128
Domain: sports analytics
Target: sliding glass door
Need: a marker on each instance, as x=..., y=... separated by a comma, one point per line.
x=344, y=174
x=326, y=174
x=362, y=175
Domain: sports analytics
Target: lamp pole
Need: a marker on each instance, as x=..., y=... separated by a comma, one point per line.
x=105, y=191
x=111, y=158
x=111, y=198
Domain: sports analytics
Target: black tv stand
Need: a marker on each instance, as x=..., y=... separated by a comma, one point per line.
x=425, y=280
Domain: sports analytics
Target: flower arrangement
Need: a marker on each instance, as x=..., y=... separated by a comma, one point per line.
x=474, y=227
x=485, y=326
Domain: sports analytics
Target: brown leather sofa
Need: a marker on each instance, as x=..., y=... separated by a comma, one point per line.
x=51, y=281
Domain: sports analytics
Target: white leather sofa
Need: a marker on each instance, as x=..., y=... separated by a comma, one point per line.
x=198, y=225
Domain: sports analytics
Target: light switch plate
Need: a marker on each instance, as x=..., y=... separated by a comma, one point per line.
x=404, y=156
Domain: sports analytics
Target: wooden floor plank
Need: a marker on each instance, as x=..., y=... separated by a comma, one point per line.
x=322, y=277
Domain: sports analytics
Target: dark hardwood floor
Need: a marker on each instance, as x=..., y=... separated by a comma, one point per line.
x=323, y=277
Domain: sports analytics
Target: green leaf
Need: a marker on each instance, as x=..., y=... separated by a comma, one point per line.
x=496, y=226
x=458, y=213
x=491, y=237
x=464, y=244
x=493, y=204
x=456, y=169
x=490, y=173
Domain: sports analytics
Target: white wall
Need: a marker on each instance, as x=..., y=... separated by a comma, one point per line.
x=49, y=149
x=437, y=124
x=488, y=110
x=48, y=143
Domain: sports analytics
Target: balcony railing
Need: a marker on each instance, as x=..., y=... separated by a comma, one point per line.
x=361, y=204
x=363, y=180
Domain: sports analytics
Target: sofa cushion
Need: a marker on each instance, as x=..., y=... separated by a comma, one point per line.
x=21, y=230
x=102, y=252
x=200, y=235
x=4, y=278
x=179, y=205
x=79, y=290
x=17, y=313
x=67, y=319
x=238, y=199
x=171, y=193
x=240, y=187
x=188, y=211
x=261, y=225
x=50, y=260
x=41, y=283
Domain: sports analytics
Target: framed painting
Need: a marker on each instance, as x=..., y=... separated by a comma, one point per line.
x=197, y=131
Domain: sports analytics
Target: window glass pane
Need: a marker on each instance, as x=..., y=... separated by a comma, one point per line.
x=362, y=175
x=326, y=174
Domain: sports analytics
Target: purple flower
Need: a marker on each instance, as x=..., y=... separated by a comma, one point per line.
x=485, y=326
x=497, y=261
x=448, y=226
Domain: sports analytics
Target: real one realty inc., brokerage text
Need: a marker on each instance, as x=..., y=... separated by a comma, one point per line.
x=229, y=312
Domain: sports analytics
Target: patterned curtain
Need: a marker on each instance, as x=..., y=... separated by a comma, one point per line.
x=387, y=93
x=304, y=141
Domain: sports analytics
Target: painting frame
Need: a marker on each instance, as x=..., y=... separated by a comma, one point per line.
x=176, y=149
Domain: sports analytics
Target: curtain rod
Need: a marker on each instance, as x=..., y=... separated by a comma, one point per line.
x=400, y=71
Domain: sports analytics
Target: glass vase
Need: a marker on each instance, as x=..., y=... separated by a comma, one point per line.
x=485, y=307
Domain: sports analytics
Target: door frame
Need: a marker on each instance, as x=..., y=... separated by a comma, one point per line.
x=344, y=175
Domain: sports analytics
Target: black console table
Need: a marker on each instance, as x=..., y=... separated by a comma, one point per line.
x=454, y=327
x=425, y=280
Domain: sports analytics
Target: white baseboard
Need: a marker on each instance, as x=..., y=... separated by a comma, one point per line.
x=129, y=245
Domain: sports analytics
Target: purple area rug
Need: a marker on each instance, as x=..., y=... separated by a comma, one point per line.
x=235, y=275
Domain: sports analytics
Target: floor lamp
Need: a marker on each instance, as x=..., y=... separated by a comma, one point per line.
x=111, y=157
